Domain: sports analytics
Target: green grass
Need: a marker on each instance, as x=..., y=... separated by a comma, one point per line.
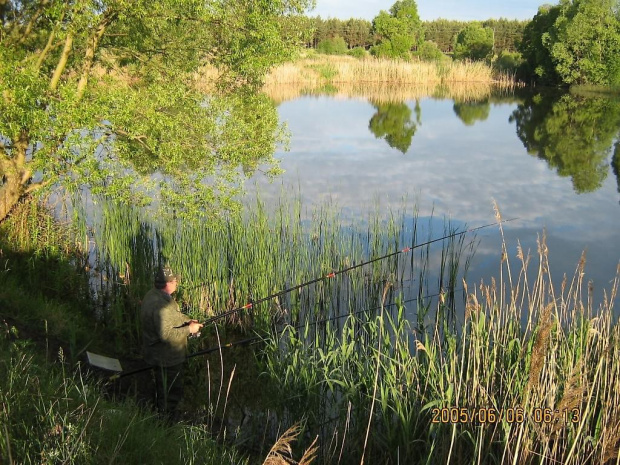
x=52, y=413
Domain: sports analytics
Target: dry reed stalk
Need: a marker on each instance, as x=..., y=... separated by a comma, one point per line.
x=575, y=391
x=281, y=453
x=610, y=442
x=472, y=307
x=346, y=428
x=310, y=453
x=232, y=375
x=539, y=351
x=348, y=69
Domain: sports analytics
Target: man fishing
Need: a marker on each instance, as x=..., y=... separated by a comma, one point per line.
x=164, y=336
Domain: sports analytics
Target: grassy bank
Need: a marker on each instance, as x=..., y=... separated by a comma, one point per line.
x=53, y=413
x=52, y=409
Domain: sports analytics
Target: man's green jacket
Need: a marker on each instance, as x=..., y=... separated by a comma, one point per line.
x=164, y=334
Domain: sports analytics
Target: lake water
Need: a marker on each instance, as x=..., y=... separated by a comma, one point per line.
x=545, y=158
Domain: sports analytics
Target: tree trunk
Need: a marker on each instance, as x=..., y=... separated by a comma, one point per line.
x=15, y=175
x=10, y=193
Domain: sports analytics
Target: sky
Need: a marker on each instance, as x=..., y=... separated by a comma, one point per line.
x=463, y=10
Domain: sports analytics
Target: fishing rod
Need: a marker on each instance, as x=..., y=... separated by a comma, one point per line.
x=256, y=339
x=333, y=274
x=117, y=376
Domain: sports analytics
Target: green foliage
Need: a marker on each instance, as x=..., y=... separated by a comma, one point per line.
x=112, y=103
x=333, y=46
x=358, y=52
x=573, y=134
x=474, y=42
x=393, y=122
x=585, y=42
x=429, y=51
x=508, y=62
x=575, y=42
x=357, y=32
x=398, y=31
x=508, y=33
x=538, y=63
x=470, y=112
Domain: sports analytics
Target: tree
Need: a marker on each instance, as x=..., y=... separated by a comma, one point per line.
x=357, y=32
x=538, y=64
x=585, y=42
x=398, y=31
x=575, y=42
x=474, y=42
x=507, y=33
x=103, y=94
x=443, y=32
x=333, y=46
x=429, y=51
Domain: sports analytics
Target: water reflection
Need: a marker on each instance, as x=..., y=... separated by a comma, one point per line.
x=471, y=112
x=392, y=122
x=573, y=134
x=615, y=163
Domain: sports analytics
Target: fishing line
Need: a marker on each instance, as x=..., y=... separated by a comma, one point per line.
x=333, y=274
x=278, y=332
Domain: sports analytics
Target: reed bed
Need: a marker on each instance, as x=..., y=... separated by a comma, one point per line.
x=310, y=71
x=528, y=376
x=224, y=265
x=377, y=79
x=378, y=367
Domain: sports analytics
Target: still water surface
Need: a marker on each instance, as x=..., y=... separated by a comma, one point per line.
x=545, y=158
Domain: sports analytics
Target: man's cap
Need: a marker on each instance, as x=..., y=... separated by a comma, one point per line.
x=165, y=275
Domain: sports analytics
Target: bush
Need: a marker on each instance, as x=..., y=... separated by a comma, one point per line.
x=358, y=52
x=333, y=46
x=474, y=42
x=429, y=51
x=508, y=61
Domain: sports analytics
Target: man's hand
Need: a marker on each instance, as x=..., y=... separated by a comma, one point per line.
x=194, y=326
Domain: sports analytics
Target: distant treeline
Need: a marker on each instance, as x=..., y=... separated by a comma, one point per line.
x=358, y=32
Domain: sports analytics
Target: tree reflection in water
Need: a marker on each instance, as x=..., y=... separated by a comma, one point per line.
x=470, y=112
x=573, y=134
x=615, y=163
x=392, y=122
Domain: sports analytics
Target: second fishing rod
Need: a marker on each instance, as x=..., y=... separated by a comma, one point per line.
x=250, y=305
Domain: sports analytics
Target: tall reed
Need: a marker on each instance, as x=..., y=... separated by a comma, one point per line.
x=311, y=71
x=526, y=376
